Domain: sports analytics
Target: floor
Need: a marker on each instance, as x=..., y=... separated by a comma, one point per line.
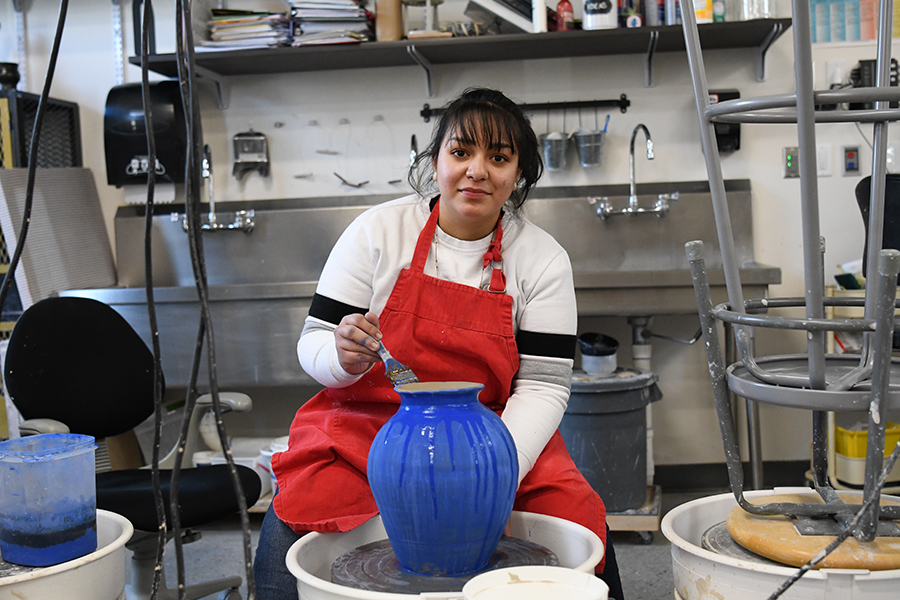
x=646, y=569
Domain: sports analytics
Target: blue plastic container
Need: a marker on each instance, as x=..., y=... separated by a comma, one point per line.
x=48, y=499
x=443, y=471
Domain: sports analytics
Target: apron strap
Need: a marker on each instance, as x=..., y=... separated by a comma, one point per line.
x=423, y=244
x=492, y=257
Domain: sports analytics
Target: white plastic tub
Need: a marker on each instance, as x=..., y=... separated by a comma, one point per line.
x=99, y=575
x=701, y=574
x=535, y=583
x=311, y=557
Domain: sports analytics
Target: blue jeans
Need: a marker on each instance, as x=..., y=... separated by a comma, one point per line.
x=275, y=582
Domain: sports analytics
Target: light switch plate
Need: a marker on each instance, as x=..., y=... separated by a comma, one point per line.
x=790, y=163
x=850, y=161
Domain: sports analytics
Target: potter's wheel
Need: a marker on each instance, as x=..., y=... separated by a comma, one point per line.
x=99, y=575
x=717, y=539
x=706, y=563
x=374, y=567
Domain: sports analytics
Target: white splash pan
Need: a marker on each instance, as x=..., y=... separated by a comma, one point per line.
x=311, y=557
x=701, y=574
x=99, y=575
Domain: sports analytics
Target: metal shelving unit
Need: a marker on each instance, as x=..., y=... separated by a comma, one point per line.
x=815, y=381
x=759, y=35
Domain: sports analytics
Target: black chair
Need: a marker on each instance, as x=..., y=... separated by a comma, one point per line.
x=78, y=362
x=891, y=231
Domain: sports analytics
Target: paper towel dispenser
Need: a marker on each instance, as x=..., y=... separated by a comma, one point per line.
x=125, y=134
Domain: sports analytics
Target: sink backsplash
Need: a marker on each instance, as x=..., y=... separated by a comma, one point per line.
x=291, y=238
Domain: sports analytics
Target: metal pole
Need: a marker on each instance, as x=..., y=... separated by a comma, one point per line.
x=809, y=193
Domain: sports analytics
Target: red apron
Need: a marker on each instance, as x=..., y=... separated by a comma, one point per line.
x=444, y=331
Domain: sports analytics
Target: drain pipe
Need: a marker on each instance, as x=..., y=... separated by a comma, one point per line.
x=641, y=352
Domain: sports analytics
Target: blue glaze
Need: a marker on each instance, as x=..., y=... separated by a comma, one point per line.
x=443, y=471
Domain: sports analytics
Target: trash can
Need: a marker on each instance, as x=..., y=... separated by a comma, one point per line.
x=605, y=431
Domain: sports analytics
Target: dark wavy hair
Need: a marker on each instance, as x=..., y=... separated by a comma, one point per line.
x=489, y=117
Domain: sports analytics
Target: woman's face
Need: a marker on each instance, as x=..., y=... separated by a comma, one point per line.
x=475, y=181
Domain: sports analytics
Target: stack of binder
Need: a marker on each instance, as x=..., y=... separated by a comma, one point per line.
x=233, y=29
x=330, y=22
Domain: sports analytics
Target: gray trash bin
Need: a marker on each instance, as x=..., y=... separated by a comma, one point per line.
x=605, y=431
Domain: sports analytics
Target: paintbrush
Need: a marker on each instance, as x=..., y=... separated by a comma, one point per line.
x=396, y=371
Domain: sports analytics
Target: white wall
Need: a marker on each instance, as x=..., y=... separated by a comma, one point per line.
x=282, y=106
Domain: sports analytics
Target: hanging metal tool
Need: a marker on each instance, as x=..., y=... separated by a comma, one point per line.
x=251, y=153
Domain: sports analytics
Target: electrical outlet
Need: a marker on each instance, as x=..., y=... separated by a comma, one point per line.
x=835, y=73
x=790, y=162
x=850, y=166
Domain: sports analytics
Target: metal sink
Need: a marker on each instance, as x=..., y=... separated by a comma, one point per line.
x=261, y=282
x=635, y=265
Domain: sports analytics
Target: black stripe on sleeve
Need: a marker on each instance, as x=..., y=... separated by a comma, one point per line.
x=554, y=345
x=332, y=311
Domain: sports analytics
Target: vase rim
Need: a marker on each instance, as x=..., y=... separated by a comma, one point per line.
x=438, y=386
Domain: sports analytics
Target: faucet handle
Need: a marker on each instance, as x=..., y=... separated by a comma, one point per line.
x=604, y=206
x=661, y=208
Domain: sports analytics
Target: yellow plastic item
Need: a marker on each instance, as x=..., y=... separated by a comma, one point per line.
x=853, y=443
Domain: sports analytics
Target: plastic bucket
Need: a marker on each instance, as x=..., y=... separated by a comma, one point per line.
x=605, y=432
x=535, y=583
x=555, y=148
x=588, y=144
x=598, y=354
x=264, y=461
x=48, y=500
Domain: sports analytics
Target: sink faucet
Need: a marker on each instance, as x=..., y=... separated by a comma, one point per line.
x=660, y=208
x=206, y=172
x=243, y=219
x=632, y=198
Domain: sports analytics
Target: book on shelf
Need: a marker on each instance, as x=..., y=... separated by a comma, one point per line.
x=329, y=37
x=245, y=29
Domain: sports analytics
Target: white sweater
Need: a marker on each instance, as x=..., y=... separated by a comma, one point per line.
x=367, y=259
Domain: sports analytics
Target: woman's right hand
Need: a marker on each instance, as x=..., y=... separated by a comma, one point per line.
x=356, y=339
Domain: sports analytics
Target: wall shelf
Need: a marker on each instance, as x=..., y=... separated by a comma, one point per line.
x=758, y=34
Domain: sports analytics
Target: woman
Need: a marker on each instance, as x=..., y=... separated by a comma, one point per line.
x=459, y=287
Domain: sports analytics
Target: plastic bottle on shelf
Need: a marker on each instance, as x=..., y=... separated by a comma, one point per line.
x=673, y=12
x=718, y=11
x=388, y=21
x=757, y=9
x=565, y=16
x=600, y=14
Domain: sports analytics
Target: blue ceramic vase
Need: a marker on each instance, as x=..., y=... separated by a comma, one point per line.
x=443, y=471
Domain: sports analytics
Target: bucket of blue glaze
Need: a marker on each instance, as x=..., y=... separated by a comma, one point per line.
x=48, y=499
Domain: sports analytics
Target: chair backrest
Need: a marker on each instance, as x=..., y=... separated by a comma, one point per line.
x=891, y=231
x=78, y=361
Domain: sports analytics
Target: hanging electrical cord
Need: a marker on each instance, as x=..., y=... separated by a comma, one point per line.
x=33, y=154
x=185, y=64
x=151, y=304
x=846, y=531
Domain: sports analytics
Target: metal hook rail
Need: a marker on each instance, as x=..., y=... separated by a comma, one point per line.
x=814, y=381
x=622, y=103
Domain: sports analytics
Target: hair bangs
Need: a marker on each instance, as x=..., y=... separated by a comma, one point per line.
x=487, y=125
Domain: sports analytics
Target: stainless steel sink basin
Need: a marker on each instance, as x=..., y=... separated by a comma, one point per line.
x=261, y=283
